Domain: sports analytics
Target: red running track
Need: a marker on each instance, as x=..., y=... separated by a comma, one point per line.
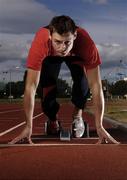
x=51, y=159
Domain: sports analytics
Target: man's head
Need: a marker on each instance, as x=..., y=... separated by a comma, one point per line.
x=63, y=33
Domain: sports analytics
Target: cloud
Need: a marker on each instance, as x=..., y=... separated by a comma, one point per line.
x=101, y=2
x=14, y=47
x=111, y=55
x=23, y=16
x=104, y=31
x=13, y=52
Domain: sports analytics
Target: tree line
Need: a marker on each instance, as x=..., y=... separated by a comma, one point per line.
x=119, y=88
x=16, y=89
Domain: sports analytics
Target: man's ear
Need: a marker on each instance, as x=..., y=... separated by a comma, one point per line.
x=50, y=36
x=75, y=35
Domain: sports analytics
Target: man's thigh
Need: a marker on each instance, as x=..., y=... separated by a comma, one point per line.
x=50, y=70
x=76, y=67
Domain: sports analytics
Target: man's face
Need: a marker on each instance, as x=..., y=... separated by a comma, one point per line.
x=62, y=44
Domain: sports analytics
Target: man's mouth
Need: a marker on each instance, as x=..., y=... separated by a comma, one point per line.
x=63, y=52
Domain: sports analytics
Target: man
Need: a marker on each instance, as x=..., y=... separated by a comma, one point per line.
x=63, y=41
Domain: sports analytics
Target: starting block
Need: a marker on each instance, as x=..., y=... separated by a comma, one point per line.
x=86, y=133
x=65, y=135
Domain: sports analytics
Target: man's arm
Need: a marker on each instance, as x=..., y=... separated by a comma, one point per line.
x=94, y=80
x=32, y=81
x=29, y=94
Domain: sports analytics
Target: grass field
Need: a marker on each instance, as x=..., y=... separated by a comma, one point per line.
x=116, y=110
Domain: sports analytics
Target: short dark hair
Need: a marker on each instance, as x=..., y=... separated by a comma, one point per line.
x=62, y=24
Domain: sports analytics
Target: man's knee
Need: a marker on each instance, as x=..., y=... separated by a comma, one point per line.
x=49, y=105
x=47, y=90
x=79, y=100
x=80, y=92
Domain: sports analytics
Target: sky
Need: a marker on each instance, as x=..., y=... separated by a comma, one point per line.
x=105, y=21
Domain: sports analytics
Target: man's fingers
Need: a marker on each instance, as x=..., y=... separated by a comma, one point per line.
x=108, y=140
x=24, y=137
x=30, y=141
x=112, y=140
x=101, y=141
x=21, y=139
x=14, y=141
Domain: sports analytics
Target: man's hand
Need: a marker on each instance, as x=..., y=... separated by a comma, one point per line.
x=105, y=137
x=24, y=137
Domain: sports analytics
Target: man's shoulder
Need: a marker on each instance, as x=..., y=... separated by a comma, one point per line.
x=43, y=30
x=82, y=31
x=83, y=37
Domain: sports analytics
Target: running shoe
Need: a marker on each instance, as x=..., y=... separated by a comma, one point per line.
x=52, y=127
x=78, y=127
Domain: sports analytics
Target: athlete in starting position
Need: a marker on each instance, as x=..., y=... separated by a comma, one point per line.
x=63, y=41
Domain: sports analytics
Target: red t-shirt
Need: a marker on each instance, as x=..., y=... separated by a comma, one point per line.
x=83, y=47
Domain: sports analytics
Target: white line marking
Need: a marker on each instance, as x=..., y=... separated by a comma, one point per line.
x=37, y=115
x=56, y=144
x=15, y=127
x=2, y=112
x=11, y=129
x=51, y=139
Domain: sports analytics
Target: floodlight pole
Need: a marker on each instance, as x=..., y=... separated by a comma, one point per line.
x=10, y=86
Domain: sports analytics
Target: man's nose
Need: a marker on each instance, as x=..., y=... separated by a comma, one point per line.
x=63, y=46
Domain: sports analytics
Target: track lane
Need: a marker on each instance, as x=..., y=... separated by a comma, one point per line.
x=52, y=159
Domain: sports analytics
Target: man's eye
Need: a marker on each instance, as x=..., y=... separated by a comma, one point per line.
x=68, y=42
x=57, y=42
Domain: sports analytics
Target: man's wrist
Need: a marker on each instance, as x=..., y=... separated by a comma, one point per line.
x=99, y=125
x=29, y=125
